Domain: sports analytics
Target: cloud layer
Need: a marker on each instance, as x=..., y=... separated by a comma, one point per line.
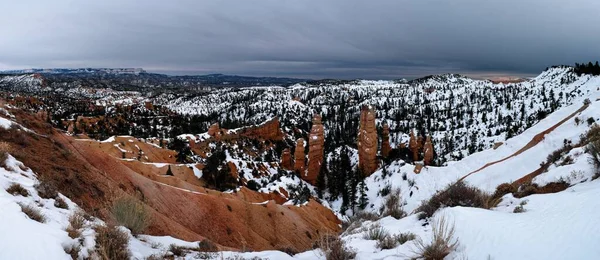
x=308, y=38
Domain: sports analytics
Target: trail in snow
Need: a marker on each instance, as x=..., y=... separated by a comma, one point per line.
x=534, y=141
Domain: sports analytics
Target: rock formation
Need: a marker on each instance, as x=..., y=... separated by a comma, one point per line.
x=299, y=160
x=385, y=141
x=316, y=141
x=428, y=152
x=268, y=130
x=367, y=141
x=214, y=130
x=286, y=159
x=413, y=145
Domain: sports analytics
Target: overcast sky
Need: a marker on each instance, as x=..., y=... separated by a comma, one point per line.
x=302, y=38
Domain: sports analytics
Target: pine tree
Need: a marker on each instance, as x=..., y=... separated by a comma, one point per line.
x=363, y=201
x=169, y=172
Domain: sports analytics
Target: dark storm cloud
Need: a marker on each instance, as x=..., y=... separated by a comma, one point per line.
x=309, y=38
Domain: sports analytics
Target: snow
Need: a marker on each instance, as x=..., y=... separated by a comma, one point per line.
x=5, y=123
x=22, y=237
x=197, y=172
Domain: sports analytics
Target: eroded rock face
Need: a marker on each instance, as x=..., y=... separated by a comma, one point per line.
x=268, y=130
x=367, y=141
x=286, y=159
x=428, y=151
x=299, y=160
x=214, y=129
x=385, y=141
x=316, y=141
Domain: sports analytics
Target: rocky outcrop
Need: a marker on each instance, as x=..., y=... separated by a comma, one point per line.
x=428, y=151
x=299, y=160
x=385, y=141
x=316, y=141
x=367, y=141
x=214, y=130
x=267, y=131
x=286, y=159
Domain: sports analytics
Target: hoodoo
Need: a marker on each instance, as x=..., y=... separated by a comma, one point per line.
x=316, y=141
x=299, y=160
x=367, y=141
x=385, y=141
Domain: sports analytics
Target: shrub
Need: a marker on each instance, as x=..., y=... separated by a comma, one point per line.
x=526, y=189
x=253, y=185
x=16, y=189
x=73, y=251
x=405, y=237
x=61, y=203
x=519, y=209
x=288, y=250
x=591, y=121
x=376, y=232
x=111, y=243
x=458, y=194
x=131, y=213
x=33, y=213
x=177, y=250
x=334, y=248
x=5, y=149
x=388, y=242
x=385, y=190
x=593, y=148
x=503, y=189
x=392, y=205
x=46, y=189
x=207, y=246
x=76, y=222
x=443, y=242
x=356, y=220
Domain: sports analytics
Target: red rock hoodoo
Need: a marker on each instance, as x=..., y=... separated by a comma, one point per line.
x=367, y=141
x=413, y=145
x=428, y=151
x=286, y=159
x=385, y=141
x=316, y=141
x=299, y=160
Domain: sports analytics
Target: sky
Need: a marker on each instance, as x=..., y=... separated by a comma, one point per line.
x=379, y=39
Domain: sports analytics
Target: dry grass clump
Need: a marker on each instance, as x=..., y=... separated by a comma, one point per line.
x=16, y=189
x=356, y=220
x=334, y=248
x=458, y=194
x=376, y=232
x=443, y=242
x=131, y=213
x=33, y=213
x=392, y=205
x=5, y=149
x=111, y=243
x=76, y=223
